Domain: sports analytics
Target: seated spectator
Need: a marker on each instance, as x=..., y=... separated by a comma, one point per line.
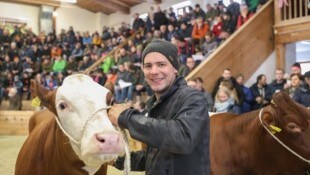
x=261, y=92
x=295, y=82
x=229, y=26
x=302, y=94
x=47, y=66
x=217, y=28
x=59, y=64
x=199, y=31
x=123, y=87
x=72, y=66
x=100, y=77
x=50, y=82
x=26, y=84
x=233, y=92
x=197, y=83
x=86, y=63
x=190, y=66
x=60, y=78
x=77, y=52
x=244, y=16
x=96, y=39
x=248, y=97
x=171, y=32
x=209, y=45
x=223, y=102
x=122, y=56
x=15, y=102
x=184, y=31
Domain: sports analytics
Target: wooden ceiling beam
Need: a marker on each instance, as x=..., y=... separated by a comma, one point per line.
x=114, y=6
x=121, y=3
x=34, y=2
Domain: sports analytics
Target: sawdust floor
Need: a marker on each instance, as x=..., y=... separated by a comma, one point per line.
x=9, y=148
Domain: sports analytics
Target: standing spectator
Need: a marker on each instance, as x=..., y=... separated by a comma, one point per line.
x=233, y=9
x=159, y=18
x=261, y=92
x=198, y=12
x=248, y=97
x=302, y=94
x=138, y=23
x=279, y=84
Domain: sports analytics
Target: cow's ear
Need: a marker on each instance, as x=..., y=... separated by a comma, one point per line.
x=46, y=96
x=269, y=120
x=109, y=96
x=109, y=85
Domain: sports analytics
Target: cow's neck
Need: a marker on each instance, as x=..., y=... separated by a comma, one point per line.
x=65, y=153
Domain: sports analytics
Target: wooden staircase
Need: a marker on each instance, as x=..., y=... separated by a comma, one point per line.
x=243, y=52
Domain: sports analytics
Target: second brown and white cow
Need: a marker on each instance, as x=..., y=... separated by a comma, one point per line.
x=74, y=135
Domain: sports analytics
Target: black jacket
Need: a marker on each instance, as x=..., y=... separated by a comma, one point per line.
x=176, y=130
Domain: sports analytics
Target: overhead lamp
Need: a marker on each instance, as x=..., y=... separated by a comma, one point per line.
x=68, y=1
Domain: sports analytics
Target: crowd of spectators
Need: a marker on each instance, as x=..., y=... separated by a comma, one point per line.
x=49, y=58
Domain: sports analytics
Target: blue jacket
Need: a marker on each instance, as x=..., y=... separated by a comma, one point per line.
x=302, y=95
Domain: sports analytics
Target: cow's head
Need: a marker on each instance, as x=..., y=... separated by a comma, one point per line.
x=293, y=119
x=81, y=107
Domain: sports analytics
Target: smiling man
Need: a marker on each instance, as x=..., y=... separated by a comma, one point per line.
x=176, y=125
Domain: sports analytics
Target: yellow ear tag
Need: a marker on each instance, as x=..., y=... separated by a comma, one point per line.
x=36, y=102
x=275, y=129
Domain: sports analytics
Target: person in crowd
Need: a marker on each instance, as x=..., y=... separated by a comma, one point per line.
x=189, y=66
x=248, y=97
x=294, y=83
x=261, y=92
x=100, y=77
x=233, y=9
x=244, y=16
x=223, y=101
x=302, y=94
x=198, y=12
x=211, y=14
x=138, y=23
x=184, y=31
x=226, y=75
x=279, y=84
x=159, y=18
x=176, y=109
x=123, y=87
x=296, y=69
x=59, y=64
x=229, y=26
x=199, y=31
x=209, y=45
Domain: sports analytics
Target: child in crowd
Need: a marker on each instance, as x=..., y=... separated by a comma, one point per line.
x=223, y=101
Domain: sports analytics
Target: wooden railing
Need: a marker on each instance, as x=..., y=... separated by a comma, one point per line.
x=292, y=11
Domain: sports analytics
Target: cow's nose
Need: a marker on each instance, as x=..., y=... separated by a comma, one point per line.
x=109, y=143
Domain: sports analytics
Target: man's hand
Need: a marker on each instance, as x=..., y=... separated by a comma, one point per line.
x=115, y=111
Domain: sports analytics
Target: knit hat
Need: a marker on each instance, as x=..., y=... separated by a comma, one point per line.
x=166, y=48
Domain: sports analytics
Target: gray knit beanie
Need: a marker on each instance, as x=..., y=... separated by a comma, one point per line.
x=166, y=48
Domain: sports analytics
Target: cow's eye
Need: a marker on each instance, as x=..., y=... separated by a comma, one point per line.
x=62, y=106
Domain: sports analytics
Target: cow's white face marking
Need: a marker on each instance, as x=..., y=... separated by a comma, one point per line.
x=77, y=102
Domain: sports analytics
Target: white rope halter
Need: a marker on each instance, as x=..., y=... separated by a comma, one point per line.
x=124, y=134
x=84, y=127
x=279, y=141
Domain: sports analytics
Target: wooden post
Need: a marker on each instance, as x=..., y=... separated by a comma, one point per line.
x=280, y=56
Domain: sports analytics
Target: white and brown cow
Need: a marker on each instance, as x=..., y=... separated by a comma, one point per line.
x=74, y=135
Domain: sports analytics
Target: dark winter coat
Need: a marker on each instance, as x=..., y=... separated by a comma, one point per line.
x=176, y=130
